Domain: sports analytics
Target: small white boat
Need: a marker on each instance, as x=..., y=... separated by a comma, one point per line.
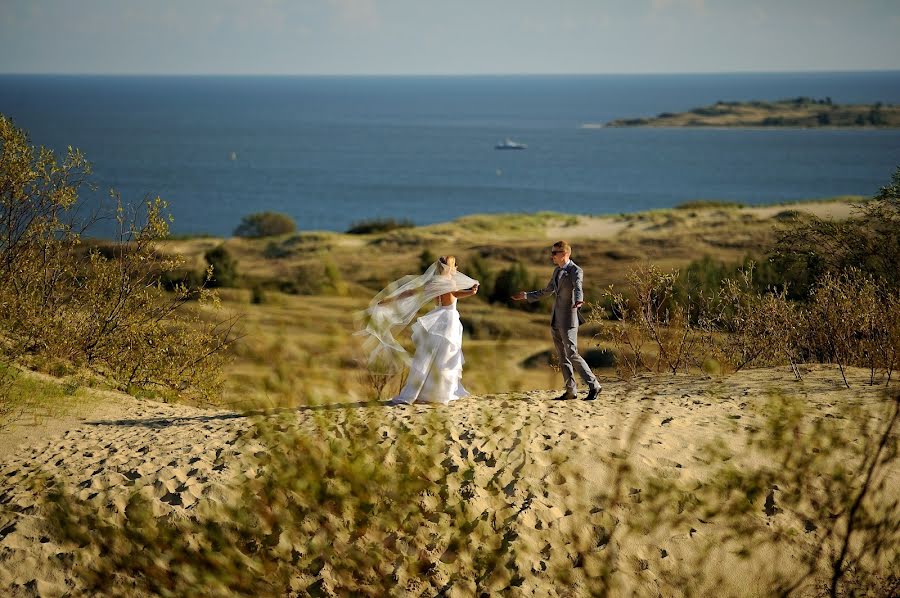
x=509, y=144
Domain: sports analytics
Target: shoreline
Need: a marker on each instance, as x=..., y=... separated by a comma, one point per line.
x=801, y=112
x=718, y=127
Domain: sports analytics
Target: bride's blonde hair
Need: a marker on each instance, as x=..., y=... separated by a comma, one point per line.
x=445, y=262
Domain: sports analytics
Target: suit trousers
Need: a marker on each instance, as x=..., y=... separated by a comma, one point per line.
x=566, y=341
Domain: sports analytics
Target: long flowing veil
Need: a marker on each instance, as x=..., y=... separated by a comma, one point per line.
x=391, y=310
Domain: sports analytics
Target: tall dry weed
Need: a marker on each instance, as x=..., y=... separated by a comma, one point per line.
x=851, y=321
x=754, y=327
x=655, y=332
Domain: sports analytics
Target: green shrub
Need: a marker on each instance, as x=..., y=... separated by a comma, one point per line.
x=224, y=267
x=307, y=279
x=478, y=268
x=512, y=280
x=265, y=224
x=700, y=284
x=869, y=241
x=702, y=278
x=277, y=251
x=600, y=358
x=257, y=295
x=426, y=258
x=378, y=225
x=171, y=281
x=485, y=327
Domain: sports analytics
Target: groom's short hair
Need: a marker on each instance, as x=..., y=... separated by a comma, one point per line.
x=563, y=246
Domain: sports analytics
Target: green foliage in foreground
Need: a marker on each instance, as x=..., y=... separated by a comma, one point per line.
x=332, y=504
x=102, y=307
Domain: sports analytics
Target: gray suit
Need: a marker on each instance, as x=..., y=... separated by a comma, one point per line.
x=564, y=320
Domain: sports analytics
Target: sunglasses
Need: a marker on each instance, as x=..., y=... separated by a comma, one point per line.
x=556, y=251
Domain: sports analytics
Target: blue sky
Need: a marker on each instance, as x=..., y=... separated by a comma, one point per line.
x=446, y=36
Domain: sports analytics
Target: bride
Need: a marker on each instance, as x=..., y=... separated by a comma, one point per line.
x=435, y=370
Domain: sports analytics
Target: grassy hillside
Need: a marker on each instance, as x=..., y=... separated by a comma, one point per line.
x=299, y=293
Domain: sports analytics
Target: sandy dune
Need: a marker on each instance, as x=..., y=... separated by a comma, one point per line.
x=609, y=227
x=553, y=461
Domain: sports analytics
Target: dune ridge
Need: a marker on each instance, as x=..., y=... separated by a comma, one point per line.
x=552, y=464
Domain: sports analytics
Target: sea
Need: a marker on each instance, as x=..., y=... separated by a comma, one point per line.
x=334, y=151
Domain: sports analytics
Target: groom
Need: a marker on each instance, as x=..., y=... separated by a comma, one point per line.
x=566, y=285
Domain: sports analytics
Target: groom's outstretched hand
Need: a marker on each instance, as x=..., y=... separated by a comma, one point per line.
x=520, y=296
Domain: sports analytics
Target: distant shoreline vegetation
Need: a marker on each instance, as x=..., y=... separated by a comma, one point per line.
x=482, y=221
x=800, y=112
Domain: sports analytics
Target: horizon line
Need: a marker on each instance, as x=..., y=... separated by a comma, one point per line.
x=451, y=75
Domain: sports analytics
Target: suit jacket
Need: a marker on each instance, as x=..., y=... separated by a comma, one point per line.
x=566, y=285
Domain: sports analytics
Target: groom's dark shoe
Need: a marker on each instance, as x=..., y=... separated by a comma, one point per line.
x=592, y=394
x=566, y=396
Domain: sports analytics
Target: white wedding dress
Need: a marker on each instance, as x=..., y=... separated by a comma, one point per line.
x=435, y=374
